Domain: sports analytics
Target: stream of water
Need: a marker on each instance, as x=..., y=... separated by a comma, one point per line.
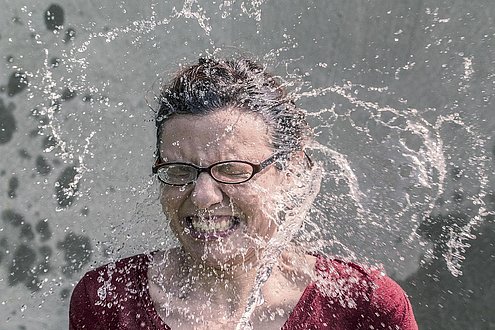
x=399, y=96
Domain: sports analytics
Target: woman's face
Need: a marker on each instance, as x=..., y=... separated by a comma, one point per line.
x=221, y=224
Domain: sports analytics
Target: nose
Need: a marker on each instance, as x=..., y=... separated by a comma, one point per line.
x=206, y=192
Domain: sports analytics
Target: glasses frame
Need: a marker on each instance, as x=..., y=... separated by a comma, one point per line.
x=200, y=169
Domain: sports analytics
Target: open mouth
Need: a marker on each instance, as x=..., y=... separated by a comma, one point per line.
x=213, y=227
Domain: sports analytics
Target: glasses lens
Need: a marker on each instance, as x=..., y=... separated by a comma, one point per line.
x=177, y=174
x=232, y=172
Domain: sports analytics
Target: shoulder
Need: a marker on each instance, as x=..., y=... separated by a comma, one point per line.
x=126, y=267
x=101, y=293
x=361, y=295
x=371, y=281
x=389, y=303
x=113, y=276
x=127, y=272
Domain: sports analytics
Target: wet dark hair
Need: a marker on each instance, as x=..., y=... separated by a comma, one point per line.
x=212, y=84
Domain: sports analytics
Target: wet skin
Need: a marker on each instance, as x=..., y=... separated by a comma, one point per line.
x=206, y=282
x=226, y=134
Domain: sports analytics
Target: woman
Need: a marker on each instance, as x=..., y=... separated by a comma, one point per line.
x=235, y=187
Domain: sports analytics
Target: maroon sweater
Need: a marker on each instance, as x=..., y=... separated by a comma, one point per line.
x=346, y=296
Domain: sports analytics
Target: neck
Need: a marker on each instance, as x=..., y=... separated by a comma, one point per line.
x=178, y=282
x=218, y=284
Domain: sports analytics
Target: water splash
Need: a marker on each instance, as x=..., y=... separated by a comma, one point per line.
x=291, y=214
x=426, y=166
x=412, y=176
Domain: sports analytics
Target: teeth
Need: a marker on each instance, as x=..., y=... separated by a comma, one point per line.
x=212, y=226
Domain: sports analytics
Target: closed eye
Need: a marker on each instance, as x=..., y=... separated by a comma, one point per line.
x=233, y=169
x=178, y=171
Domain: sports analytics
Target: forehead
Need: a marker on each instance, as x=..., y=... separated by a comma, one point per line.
x=227, y=133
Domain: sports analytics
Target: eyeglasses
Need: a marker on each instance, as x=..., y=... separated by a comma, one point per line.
x=230, y=171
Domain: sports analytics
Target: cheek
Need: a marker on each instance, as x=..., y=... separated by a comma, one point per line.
x=245, y=196
x=170, y=200
x=254, y=200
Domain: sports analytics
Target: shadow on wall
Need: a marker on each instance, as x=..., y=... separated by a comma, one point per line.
x=29, y=240
x=442, y=301
x=30, y=261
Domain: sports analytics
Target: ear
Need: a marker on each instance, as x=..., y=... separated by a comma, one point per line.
x=297, y=162
x=298, y=156
x=294, y=167
x=302, y=183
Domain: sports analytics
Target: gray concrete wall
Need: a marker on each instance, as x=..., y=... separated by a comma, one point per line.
x=400, y=91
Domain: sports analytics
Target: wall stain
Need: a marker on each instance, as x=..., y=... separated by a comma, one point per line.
x=70, y=35
x=13, y=218
x=43, y=228
x=55, y=62
x=7, y=122
x=21, y=265
x=13, y=185
x=24, y=154
x=27, y=232
x=18, y=82
x=68, y=94
x=77, y=252
x=54, y=17
x=42, y=166
x=29, y=261
x=4, y=245
x=49, y=143
x=64, y=189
